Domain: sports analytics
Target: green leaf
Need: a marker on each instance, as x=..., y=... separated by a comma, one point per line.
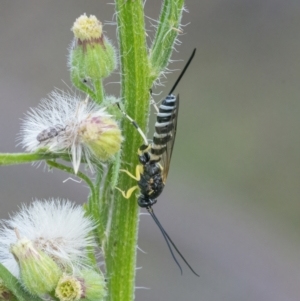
x=167, y=31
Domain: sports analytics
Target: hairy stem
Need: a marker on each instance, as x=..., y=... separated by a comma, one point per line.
x=21, y=158
x=82, y=86
x=167, y=31
x=99, y=92
x=120, y=250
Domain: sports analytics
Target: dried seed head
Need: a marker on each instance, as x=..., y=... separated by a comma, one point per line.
x=59, y=229
x=66, y=124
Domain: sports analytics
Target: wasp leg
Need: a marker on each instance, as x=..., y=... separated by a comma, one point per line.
x=138, y=171
x=129, y=192
x=137, y=177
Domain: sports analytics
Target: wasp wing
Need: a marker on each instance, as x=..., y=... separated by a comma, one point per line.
x=166, y=156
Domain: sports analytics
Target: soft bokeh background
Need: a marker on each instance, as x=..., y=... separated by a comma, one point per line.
x=232, y=200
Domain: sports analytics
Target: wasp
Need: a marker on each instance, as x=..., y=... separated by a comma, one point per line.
x=154, y=159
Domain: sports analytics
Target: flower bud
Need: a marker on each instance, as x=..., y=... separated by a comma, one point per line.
x=5, y=293
x=69, y=288
x=94, y=285
x=39, y=273
x=89, y=285
x=92, y=56
x=102, y=135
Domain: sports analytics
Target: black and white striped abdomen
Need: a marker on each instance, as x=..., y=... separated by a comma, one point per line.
x=164, y=125
x=166, y=114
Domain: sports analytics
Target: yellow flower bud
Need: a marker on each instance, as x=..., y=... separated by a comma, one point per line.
x=87, y=284
x=87, y=28
x=69, y=288
x=92, y=56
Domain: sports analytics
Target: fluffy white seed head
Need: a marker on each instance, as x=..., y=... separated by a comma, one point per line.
x=58, y=123
x=58, y=228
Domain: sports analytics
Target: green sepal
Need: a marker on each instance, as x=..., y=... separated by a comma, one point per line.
x=39, y=273
x=92, y=60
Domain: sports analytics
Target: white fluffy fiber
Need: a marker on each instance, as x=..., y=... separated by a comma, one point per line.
x=58, y=227
x=63, y=109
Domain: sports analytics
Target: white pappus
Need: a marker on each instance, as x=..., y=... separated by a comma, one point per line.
x=59, y=228
x=65, y=123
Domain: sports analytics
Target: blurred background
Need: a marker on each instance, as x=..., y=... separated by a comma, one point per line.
x=232, y=199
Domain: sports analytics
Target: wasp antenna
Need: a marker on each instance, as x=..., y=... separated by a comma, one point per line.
x=163, y=232
x=134, y=123
x=170, y=240
x=183, y=71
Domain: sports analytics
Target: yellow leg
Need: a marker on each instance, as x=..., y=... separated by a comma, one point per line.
x=138, y=171
x=129, y=192
x=137, y=177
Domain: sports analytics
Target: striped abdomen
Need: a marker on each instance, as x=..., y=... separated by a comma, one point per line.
x=164, y=125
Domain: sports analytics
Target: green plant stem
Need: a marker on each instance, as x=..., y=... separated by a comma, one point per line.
x=71, y=171
x=120, y=250
x=77, y=82
x=95, y=205
x=21, y=158
x=99, y=92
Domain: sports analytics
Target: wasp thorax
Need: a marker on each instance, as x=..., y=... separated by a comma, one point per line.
x=92, y=56
x=102, y=135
